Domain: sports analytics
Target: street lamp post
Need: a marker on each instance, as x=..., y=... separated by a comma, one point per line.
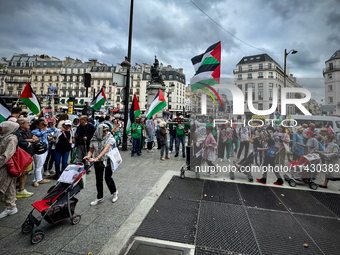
x=285, y=67
x=170, y=90
x=127, y=64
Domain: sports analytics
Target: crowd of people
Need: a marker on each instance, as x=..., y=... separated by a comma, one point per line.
x=271, y=146
x=53, y=145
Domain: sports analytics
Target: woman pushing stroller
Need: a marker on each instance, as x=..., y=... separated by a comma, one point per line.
x=99, y=147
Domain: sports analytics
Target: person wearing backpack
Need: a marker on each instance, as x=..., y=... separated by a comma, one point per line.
x=8, y=146
x=312, y=143
x=269, y=160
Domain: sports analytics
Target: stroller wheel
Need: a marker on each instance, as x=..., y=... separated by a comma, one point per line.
x=27, y=227
x=292, y=183
x=37, y=237
x=286, y=177
x=313, y=186
x=76, y=219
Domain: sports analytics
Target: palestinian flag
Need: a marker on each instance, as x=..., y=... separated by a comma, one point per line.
x=30, y=99
x=134, y=113
x=4, y=111
x=207, y=67
x=157, y=104
x=99, y=100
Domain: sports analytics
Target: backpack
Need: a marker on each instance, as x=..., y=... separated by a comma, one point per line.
x=320, y=146
x=271, y=153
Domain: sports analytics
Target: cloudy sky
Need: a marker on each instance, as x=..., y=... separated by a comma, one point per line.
x=177, y=30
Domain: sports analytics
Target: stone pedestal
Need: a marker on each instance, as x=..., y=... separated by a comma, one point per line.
x=151, y=91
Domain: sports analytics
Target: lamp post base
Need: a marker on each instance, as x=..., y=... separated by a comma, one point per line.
x=124, y=146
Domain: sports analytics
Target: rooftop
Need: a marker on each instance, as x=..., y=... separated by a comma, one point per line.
x=256, y=59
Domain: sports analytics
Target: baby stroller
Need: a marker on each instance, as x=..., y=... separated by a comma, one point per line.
x=301, y=171
x=246, y=163
x=59, y=203
x=195, y=159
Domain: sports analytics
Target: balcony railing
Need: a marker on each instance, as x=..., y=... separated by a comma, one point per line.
x=7, y=80
x=331, y=69
x=254, y=69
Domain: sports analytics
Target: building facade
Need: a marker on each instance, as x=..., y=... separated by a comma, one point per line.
x=45, y=80
x=331, y=76
x=18, y=73
x=260, y=74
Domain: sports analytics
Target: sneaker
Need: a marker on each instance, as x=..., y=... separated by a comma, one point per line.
x=170, y=151
x=176, y=155
x=262, y=180
x=97, y=201
x=47, y=173
x=221, y=160
x=115, y=197
x=229, y=160
x=23, y=193
x=52, y=172
x=7, y=212
x=279, y=182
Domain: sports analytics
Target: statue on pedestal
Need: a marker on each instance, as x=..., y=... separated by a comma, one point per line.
x=156, y=74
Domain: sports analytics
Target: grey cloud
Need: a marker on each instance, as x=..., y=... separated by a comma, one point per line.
x=333, y=20
x=334, y=38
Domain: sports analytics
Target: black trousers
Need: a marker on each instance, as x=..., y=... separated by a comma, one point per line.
x=243, y=144
x=149, y=145
x=49, y=161
x=99, y=170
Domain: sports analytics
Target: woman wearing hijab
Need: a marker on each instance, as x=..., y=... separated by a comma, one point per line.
x=211, y=146
x=99, y=147
x=150, y=132
x=8, y=146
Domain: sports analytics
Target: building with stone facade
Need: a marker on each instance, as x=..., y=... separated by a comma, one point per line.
x=3, y=72
x=45, y=76
x=261, y=73
x=18, y=73
x=331, y=76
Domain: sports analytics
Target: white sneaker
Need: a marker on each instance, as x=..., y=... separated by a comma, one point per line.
x=47, y=173
x=52, y=172
x=7, y=212
x=170, y=151
x=97, y=201
x=229, y=160
x=115, y=196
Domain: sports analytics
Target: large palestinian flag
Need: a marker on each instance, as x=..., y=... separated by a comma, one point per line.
x=30, y=99
x=99, y=100
x=4, y=111
x=134, y=113
x=157, y=104
x=207, y=67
